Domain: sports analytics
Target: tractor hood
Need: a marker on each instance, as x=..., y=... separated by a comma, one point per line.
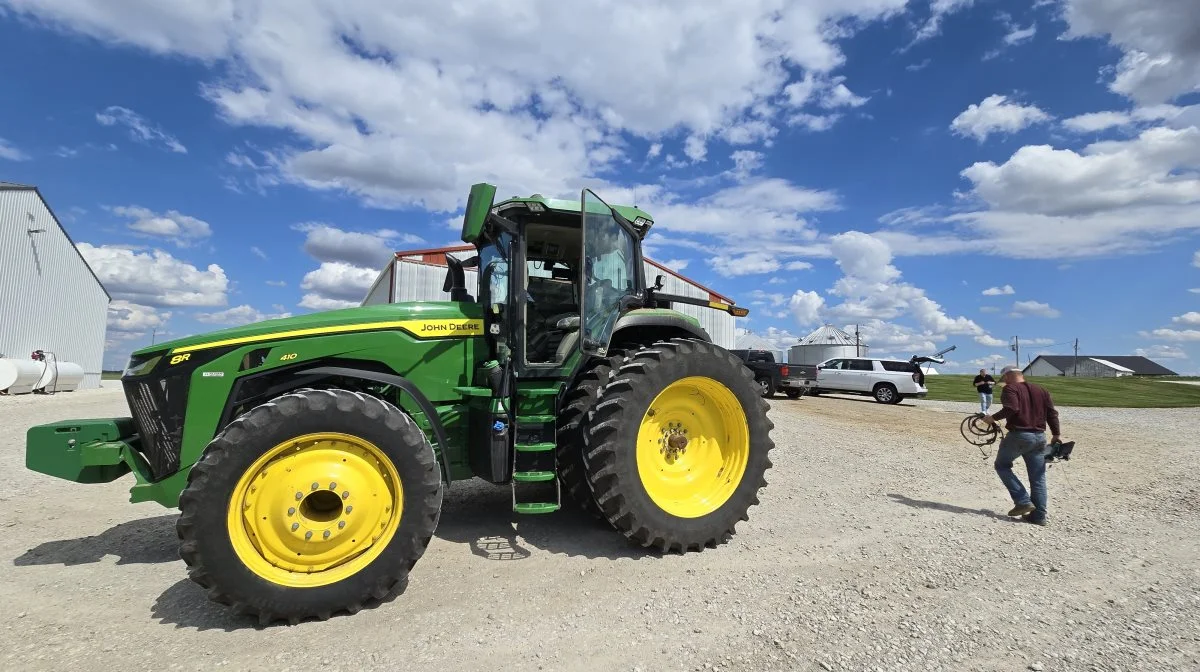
x=409, y=316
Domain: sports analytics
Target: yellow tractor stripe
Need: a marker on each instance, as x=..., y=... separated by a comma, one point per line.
x=448, y=328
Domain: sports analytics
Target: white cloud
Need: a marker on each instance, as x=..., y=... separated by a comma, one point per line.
x=1034, y=308
x=780, y=281
x=1039, y=179
x=258, y=252
x=173, y=225
x=916, y=67
x=133, y=320
x=319, y=303
x=1015, y=35
x=1108, y=198
x=995, y=115
x=798, y=266
x=986, y=362
x=872, y=292
x=814, y=122
x=990, y=341
x=340, y=79
x=676, y=264
x=1189, y=319
x=989, y=309
x=749, y=132
x=140, y=129
x=1162, y=352
x=1093, y=122
x=238, y=315
x=1176, y=335
x=999, y=291
x=695, y=149
x=836, y=95
x=655, y=150
x=337, y=284
x=1195, y=290
x=155, y=278
x=11, y=153
x=806, y=307
x=938, y=10
x=746, y=161
x=1196, y=259
x=365, y=250
x=746, y=264
x=277, y=283
x=1161, y=55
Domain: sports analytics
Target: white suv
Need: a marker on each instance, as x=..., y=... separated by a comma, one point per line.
x=888, y=380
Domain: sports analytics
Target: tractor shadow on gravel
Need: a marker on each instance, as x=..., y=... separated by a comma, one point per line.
x=948, y=508
x=480, y=515
x=143, y=541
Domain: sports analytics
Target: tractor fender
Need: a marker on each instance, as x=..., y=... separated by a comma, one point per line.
x=404, y=384
x=658, y=325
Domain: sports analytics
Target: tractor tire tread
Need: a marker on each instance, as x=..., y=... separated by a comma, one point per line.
x=203, y=538
x=610, y=436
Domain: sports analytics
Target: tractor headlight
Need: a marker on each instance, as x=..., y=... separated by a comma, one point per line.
x=141, y=368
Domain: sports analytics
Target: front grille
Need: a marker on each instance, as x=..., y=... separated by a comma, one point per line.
x=158, y=406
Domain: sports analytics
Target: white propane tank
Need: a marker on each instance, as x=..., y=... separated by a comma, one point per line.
x=19, y=376
x=59, y=377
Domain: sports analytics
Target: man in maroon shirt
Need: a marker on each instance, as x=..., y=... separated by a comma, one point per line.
x=1029, y=411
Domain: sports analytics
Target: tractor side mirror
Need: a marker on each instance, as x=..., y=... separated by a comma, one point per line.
x=658, y=282
x=456, y=280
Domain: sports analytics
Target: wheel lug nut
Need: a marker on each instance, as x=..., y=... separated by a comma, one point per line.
x=295, y=526
x=308, y=535
x=346, y=495
x=299, y=496
x=291, y=510
x=315, y=486
x=333, y=485
x=326, y=535
x=349, y=508
x=341, y=524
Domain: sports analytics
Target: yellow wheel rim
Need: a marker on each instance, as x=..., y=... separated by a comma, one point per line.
x=692, y=447
x=315, y=509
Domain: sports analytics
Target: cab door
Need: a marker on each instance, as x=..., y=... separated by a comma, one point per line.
x=612, y=265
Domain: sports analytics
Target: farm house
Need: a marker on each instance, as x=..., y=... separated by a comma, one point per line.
x=50, y=300
x=418, y=275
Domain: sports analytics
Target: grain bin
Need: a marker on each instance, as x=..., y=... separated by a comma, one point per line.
x=824, y=344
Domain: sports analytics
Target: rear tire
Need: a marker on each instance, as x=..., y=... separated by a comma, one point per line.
x=240, y=523
x=885, y=393
x=577, y=403
x=766, y=387
x=635, y=459
x=794, y=394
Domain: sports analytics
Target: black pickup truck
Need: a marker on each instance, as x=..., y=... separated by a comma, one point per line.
x=791, y=379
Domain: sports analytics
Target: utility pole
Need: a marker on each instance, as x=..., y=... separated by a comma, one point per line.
x=1076, y=361
x=857, y=351
x=153, y=333
x=1016, y=347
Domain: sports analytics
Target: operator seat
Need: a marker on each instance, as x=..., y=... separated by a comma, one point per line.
x=569, y=324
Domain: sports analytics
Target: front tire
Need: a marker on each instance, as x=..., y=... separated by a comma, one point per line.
x=677, y=446
x=886, y=394
x=316, y=502
x=577, y=404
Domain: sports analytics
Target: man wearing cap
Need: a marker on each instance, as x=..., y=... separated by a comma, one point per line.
x=1029, y=411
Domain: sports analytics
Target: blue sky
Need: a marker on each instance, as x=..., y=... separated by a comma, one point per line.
x=872, y=162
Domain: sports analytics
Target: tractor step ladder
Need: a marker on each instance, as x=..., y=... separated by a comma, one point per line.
x=535, y=486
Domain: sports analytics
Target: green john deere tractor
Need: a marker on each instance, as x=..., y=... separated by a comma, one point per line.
x=309, y=455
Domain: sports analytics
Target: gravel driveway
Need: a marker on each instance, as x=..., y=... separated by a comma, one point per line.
x=880, y=544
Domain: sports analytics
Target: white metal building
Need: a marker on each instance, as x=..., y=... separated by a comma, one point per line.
x=825, y=343
x=50, y=299
x=418, y=275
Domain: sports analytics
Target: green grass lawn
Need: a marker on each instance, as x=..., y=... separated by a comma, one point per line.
x=1109, y=392
x=110, y=375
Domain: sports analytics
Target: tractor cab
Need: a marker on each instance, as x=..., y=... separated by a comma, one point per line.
x=554, y=275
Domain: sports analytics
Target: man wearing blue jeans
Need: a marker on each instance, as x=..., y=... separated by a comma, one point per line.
x=983, y=384
x=1029, y=411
